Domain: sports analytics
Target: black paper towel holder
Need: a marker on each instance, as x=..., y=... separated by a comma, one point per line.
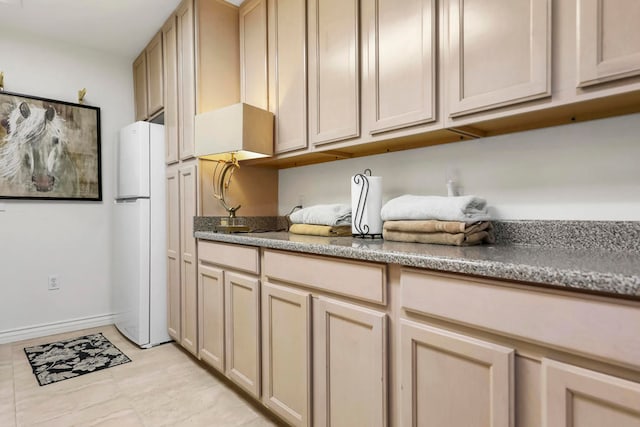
x=362, y=230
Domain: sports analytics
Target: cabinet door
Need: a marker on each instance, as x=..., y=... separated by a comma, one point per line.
x=155, y=82
x=217, y=55
x=499, y=53
x=288, y=72
x=173, y=255
x=350, y=365
x=140, y=87
x=211, y=315
x=242, y=331
x=608, y=40
x=454, y=380
x=253, y=54
x=186, y=79
x=170, y=60
x=286, y=352
x=577, y=397
x=188, y=268
x=400, y=65
x=333, y=70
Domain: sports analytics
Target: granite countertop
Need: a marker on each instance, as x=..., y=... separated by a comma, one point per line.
x=591, y=269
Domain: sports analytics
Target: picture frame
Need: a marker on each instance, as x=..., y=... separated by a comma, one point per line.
x=49, y=150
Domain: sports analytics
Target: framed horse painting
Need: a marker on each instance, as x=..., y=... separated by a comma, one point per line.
x=49, y=149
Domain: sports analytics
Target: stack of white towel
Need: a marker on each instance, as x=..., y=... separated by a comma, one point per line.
x=460, y=221
x=322, y=220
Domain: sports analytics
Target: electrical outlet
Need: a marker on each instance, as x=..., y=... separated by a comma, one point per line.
x=54, y=282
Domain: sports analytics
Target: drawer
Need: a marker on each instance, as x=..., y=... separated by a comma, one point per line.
x=238, y=257
x=596, y=327
x=362, y=280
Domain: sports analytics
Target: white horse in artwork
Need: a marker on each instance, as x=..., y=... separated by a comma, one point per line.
x=34, y=154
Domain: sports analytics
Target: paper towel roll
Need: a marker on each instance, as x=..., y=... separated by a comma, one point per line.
x=366, y=202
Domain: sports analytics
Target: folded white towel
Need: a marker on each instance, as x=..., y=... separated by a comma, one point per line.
x=323, y=215
x=461, y=208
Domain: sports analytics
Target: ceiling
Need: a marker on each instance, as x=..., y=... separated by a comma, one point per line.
x=122, y=27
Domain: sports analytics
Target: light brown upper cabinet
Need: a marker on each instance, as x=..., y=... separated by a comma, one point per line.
x=148, y=80
x=155, y=75
x=288, y=72
x=399, y=63
x=140, y=87
x=359, y=77
x=186, y=79
x=208, y=63
x=498, y=53
x=217, y=58
x=334, y=71
x=503, y=59
x=170, y=42
x=253, y=54
x=609, y=40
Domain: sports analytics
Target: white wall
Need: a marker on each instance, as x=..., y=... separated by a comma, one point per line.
x=582, y=171
x=71, y=239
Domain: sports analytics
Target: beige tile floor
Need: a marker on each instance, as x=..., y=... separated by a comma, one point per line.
x=162, y=386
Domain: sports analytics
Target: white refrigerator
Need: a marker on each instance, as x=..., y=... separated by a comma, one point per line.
x=139, y=239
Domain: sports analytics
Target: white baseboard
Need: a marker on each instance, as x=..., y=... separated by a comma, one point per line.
x=35, y=331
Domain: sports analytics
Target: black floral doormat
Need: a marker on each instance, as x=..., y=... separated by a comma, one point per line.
x=74, y=357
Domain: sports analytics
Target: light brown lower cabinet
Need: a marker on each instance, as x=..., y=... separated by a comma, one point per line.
x=324, y=356
x=578, y=397
x=174, y=306
x=450, y=379
x=349, y=365
x=349, y=377
x=229, y=312
x=242, y=329
x=311, y=338
x=188, y=190
x=211, y=315
x=286, y=352
x=480, y=352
